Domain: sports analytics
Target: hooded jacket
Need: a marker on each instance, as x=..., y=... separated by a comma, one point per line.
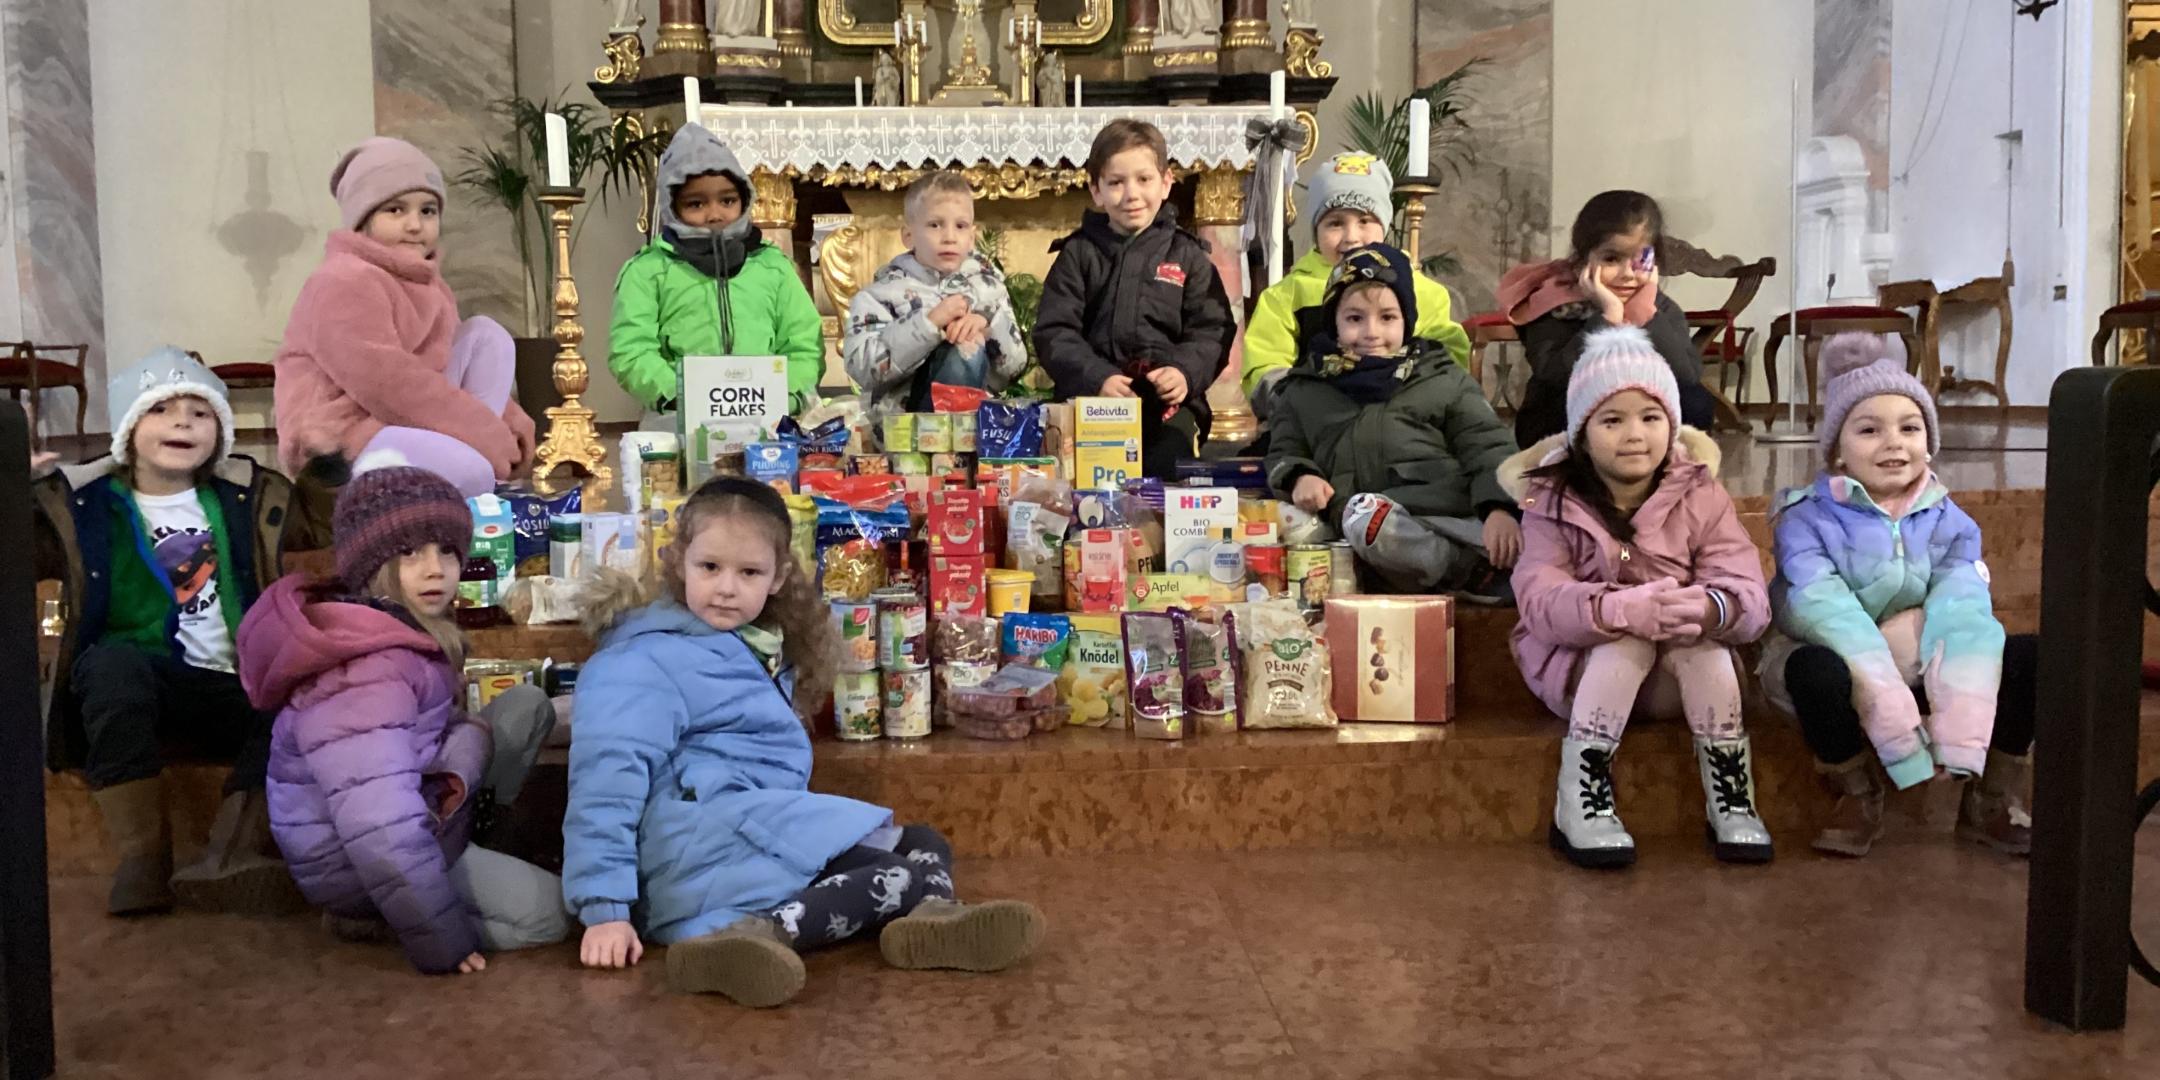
x=1553, y=319
x=1271, y=337
x=890, y=339
x=367, y=757
x=1686, y=530
x=668, y=306
x=1110, y=300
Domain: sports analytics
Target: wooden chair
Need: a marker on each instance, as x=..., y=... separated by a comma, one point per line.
x=25, y=369
x=241, y=375
x=1489, y=328
x=1714, y=331
x=1813, y=325
x=1928, y=305
x=2132, y=315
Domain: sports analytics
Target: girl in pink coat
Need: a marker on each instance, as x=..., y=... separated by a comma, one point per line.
x=375, y=361
x=1635, y=584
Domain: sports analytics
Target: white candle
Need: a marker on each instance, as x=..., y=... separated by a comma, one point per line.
x=1010, y=38
x=558, y=151
x=896, y=33
x=1076, y=91
x=691, y=100
x=858, y=91
x=1038, y=33
x=1277, y=94
x=1419, y=161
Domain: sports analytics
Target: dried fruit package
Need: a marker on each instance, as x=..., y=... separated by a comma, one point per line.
x=1208, y=655
x=1154, y=678
x=1288, y=681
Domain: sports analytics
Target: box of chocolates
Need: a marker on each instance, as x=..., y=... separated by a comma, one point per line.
x=1394, y=657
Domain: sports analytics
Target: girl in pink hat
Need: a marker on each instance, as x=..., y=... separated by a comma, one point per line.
x=376, y=362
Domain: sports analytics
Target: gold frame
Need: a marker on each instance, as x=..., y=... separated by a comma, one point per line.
x=839, y=24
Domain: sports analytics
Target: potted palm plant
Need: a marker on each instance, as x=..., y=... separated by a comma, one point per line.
x=509, y=176
x=1381, y=127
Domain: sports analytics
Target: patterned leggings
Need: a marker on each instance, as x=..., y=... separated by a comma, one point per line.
x=1660, y=679
x=865, y=888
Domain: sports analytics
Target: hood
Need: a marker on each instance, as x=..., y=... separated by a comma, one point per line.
x=1842, y=490
x=906, y=266
x=657, y=617
x=610, y=597
x=696, y=151
x=1690, y=447
x=295, y=633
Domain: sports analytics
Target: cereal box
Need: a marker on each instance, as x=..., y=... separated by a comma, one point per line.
x=1106, y=441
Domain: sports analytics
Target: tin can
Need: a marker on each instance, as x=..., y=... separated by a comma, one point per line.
x=858, y=698
x=857, y=623
x=903, y=633
x=1342, y=569
x=907, y=704
x=1306, y=569
x=1264, y=567
x=933, y=433
x=899, y=433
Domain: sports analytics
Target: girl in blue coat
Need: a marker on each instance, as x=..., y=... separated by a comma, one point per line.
x=691, y=821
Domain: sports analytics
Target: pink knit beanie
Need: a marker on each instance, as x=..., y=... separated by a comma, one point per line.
x=1617, y=359
x=1858, y=366
x=377, y=171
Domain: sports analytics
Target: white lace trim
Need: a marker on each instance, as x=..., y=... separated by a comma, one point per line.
x=800, y=140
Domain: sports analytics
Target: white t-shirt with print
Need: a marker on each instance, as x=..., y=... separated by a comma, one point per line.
x=186, y=550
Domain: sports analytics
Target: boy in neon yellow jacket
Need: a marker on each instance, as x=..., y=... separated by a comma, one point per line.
x=1348, y=205
x=669, y=297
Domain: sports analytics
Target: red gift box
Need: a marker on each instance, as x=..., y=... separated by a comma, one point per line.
x=1394, y=657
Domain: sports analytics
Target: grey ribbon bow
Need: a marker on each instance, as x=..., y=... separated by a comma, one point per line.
x=1275, y=145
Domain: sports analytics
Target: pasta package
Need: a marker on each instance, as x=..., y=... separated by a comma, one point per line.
x=1288, y=680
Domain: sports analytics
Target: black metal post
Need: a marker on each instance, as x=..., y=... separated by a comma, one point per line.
x=2101, y=423
x=26, y=1044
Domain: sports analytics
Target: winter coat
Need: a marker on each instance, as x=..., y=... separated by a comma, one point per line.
x=1843, y=566
x=1434, y=447
x=1271, y=335
x=367, y=347
x=891, y=341
x=666, y=308
x=1687, y=530
x=362, y=759
x=690, y=803
x=1553, y=342
x=73, y=542
x=1110, y=300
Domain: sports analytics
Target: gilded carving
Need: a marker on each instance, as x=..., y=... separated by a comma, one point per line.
x=625, y=54
x=774, y=206
x=838, y=22
x=1247, y=34
x=1301, y=55
x=1187, y=58
x=1220, y=198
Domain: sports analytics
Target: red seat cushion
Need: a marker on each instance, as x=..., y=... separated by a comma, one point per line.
x=50, y=372
x=1489, y=318
x=230, y=372
x=1712, y=314
x=2135, y=307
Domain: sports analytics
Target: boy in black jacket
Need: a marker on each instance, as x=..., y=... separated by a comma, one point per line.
x=1132, y=307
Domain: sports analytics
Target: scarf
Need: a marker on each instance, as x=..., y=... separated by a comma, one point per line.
x=715, y=254
x=1534, y=290
x=1366, y=380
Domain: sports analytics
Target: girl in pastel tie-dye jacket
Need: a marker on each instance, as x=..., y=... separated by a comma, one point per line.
x=1885, y=630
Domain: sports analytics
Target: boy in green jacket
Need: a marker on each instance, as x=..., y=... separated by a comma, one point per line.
x=1348, y=206
x=709, y=284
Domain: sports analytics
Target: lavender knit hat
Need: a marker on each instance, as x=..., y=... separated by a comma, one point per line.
x=378, y=170
x=385, y=511
x=1858, y=366
x=1614, y=360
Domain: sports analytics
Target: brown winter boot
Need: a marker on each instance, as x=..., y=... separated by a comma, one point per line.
x=241, y=871
x=939, y=933
x=1992, y=812
x=749, y=962
x=136, y=826
x=1858, y=820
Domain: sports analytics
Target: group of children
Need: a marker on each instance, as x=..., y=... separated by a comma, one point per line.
x=690, y=821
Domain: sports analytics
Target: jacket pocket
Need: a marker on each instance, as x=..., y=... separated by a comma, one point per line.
x=1439, y=473
x=770, y=843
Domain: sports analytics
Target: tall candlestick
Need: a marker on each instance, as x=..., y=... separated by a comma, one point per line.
x=858, y=91
x=1419, y=161
x=1277, y=94
x=558, y=151
x=691, y=99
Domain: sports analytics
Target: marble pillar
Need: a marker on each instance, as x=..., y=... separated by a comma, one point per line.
x=1141, y=19
x=1248, y=45
x=683, y=45
x=439, y=70
x=791, y=29
x=51, y=189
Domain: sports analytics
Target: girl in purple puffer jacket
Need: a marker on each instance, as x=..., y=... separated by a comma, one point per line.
x=374, y=770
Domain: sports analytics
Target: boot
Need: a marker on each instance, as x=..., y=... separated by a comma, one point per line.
x=1735, y=832
x=748, y=962
x=1992, y=811
x=241, y=871
x=1857, y=822
x=140, y=834
x=1586, y=820
x=942, y=933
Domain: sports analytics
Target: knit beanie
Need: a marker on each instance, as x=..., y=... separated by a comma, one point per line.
x=1383, y=263
x=386, y=511
x=378, y=170
x=1614, y=360
x=1858, y=366
x=1352, y=180
x=162, y=376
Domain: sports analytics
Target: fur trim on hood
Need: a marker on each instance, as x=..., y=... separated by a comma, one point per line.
x=607, y=597
x=1690, y=446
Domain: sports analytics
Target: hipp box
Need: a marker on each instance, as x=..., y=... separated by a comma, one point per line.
x=1200, y=524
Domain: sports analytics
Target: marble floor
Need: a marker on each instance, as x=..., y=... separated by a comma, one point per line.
x=1454, y=961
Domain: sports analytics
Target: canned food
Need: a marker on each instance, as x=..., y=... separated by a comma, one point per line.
x=903, y=633
x=933, y=433
x=858, y=698
x=907, y=704
x=857, y=624
x=1342, y=569
x=1306, y=570
x=1264, y=568
x=899, y=433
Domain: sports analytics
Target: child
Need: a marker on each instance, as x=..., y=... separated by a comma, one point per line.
x=691, y=821
x=376, y=775
x=1883, y=615
x=709, y=284
x=375, y=360
x=159, y=550
x=1348, y=206
x=936, y=312
x=1395, y=445
x=1132, y=306
x=1609, y=279
x=1636, y=583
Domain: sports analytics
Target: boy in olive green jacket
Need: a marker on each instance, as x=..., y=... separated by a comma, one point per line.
x=709, y=284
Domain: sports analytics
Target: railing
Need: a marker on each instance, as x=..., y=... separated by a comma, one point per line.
x=26, y=1041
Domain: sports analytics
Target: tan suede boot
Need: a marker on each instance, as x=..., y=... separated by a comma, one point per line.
x=1857, y=822
x=748, y=962
x=940, y=933
x=241, y=871
x=140, y=833
x=1992, y=812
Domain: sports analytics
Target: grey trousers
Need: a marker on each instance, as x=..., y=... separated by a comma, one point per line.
x=1425, y=552
x=518, y=905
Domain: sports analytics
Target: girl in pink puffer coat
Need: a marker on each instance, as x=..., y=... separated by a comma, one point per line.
x=1635, y=584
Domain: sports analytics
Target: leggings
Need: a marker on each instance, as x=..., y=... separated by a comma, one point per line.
x=483, y=363
x=1820, y=684
x=865, y=888
x=517, y=905
x=1661, y=678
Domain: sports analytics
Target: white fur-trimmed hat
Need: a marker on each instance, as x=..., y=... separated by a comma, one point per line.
x=162, y=376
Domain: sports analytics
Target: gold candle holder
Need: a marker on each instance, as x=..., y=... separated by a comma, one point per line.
x=914, y=34
x=1418, y=189
x=572, y=437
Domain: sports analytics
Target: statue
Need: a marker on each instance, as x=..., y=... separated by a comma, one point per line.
x=885, y=81
x=1050, y=81
x=737, y=18
x=1184, y=18
x=626, y=18
x=1297, y=12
